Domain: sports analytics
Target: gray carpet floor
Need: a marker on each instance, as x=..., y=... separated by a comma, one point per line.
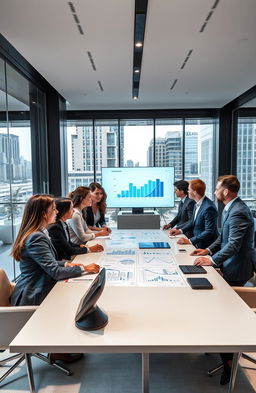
x=115, y=373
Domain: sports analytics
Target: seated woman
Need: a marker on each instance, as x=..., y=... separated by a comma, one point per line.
x=79, y=231
x=38, y=265
x=34, y=250
x=60, y=236
x=94, y=215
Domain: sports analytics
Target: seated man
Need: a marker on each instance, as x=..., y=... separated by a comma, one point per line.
x=202, y=228
x=186, y=206
x=233, y=251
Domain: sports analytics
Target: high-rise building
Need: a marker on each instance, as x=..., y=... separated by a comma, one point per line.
x=246, y=158
x=12, y=165
x=167, y=152
x=191, y=155
x=106, y=153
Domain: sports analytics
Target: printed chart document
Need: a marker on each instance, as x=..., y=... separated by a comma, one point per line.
x=146, y=258
x=160, y=277
x=120, y=268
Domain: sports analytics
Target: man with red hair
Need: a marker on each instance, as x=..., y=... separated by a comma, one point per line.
x=202, y=228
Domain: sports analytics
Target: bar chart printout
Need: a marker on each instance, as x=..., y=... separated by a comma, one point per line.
x=153, y=188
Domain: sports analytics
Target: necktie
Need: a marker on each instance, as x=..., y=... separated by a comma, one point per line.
x=224, y=213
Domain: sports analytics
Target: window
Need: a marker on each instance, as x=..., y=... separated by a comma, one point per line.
x=130, y=142
x=200, y=152
x=22, y=118
x=246, y=158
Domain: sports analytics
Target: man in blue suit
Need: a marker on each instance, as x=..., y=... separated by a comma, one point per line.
x=202, y=228
x=233, y=251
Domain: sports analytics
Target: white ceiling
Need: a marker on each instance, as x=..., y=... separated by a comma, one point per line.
x=220, y=68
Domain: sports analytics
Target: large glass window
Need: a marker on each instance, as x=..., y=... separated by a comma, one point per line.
x=130, y=143
x=135, y=139
x=200, y=152
x=80, y=150
x=246, y=158
x=106, y=145
x=21, y=106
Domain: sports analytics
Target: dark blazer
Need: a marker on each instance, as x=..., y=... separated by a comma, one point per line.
x=89, y=217
x=234, y=251
x=204, y=228
x=39, y=271
x=63, y=246
x=185, y=213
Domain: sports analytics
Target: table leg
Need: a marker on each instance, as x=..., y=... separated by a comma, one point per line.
x=30, y=373
x=233, y=372
x=145, y=372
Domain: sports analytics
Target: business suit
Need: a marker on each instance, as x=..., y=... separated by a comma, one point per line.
x=204, y=227
x=89, y=217
x=185, y=213
x=39, y=271
x=233, y=251
x=62, y=243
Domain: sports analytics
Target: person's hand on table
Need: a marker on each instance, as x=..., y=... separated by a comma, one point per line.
x=200, y=251
x=102, y=232
x=174, y=232
x=92, y=268
x=96, y=248
x=166, y=226
x=202, y=261
x=183, y=240
x=107, y=229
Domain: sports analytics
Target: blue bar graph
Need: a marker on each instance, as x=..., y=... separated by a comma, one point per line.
x=153, y=188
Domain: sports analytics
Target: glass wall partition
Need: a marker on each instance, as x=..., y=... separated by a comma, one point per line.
x=106, y=145
x=22, y=104
x=186, y=144
x=200, y=152
x=246, y=157
x=136, y=138
x=168, y=152
x=80, y=143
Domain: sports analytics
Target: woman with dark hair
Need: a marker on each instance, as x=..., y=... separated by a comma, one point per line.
x=79, y=231
x=95, y=214
x=60, y=236
x=34, y=250
x=38, y=265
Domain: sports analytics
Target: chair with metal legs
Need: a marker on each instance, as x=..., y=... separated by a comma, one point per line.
x=248, y=294
x=12, y=319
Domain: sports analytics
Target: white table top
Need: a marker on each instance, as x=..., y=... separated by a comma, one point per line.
x=144, y=319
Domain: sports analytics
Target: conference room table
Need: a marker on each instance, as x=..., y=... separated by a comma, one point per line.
x=145, y=319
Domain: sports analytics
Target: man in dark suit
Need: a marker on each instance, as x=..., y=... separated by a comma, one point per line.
x=201, y=230
x=233, y=251
x=186, y=206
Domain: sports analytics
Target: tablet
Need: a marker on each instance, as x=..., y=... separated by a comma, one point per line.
x=199, y=283
x=154, y=245
x=192, y=269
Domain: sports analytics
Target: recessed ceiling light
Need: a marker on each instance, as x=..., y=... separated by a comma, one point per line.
x=137, y=71
x=138, y=44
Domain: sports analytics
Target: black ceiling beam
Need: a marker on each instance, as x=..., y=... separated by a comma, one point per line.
x=140, y=18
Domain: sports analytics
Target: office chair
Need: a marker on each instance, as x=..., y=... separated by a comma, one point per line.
x=248, y=294
x=12, y=319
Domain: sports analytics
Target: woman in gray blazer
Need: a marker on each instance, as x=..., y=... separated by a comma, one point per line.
x=34, y=250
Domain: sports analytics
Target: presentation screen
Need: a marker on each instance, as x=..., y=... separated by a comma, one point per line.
x=139, y=186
